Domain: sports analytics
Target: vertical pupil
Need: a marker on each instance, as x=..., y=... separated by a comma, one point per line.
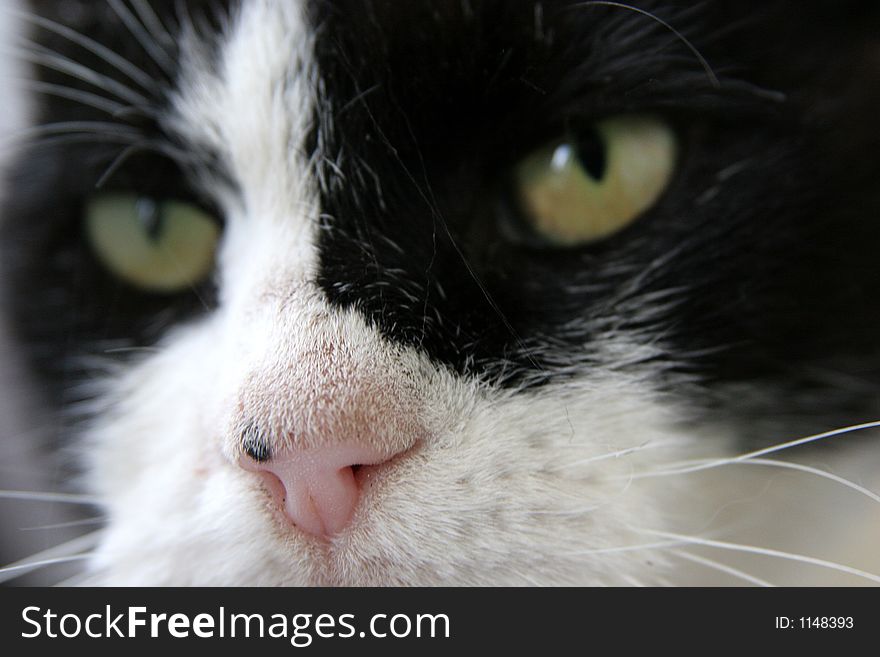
x=149, y=213
x=592, y=153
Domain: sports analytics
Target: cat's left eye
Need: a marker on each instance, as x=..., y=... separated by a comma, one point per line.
x=594, y=182
x=160, y=246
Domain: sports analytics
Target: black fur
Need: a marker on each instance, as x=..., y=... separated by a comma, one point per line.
x=64, y=303
x=757, y=268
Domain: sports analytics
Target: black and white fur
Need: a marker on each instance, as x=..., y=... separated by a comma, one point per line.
x=576, y=411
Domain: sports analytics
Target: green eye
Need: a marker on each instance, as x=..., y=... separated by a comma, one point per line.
x=585, y=188
x=158, y=246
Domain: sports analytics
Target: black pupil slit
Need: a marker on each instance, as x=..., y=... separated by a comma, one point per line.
x=592, y=153
x=150, y=215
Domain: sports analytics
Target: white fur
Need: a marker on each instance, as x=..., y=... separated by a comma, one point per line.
x=504, y=487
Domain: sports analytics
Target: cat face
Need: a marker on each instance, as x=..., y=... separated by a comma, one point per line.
x=438, y=293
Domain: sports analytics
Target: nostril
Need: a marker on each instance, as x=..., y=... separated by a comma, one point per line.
x=317, y=489
x=255, y=445
x=275, y=487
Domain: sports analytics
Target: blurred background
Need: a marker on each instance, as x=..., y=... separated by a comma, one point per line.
x=28, y=527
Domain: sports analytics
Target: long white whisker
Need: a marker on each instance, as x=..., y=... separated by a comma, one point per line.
x=115, y=60
x=712, y=463
x=567, y=513
x=638, y=547
x=724, y=568
x=83, y=137
x=784, y=465
x=94, y=129
x=824, y=474
x=811, y=439
x=86, y=98
x=11, y=572
x=65, y=525
x=143, y=36
x=612, y=455
x=152, y=22
x=58, y=554
x=38, y=496
x=67, y=66
x=767, y=552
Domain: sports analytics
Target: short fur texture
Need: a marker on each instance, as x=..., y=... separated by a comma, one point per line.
x=550, y=405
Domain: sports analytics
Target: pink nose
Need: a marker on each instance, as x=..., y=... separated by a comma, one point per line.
x=317, y=489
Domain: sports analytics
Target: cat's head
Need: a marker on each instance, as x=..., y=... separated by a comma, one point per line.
x=421, y=293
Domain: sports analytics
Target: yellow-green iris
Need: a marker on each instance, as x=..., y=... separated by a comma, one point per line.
x=571, y=198
x=156, y=245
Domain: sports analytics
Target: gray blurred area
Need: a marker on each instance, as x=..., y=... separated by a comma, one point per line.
x=31, y=529
x=28, y=458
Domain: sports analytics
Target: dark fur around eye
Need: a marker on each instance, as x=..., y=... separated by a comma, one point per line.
x=64, y=303
x=757, y=270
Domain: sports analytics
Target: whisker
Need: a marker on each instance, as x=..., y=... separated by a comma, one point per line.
x=120, y=159
x=767, y=552
x=39, y=496
x=65, y=525
x=427, y=195
x=111, y=57
x=786, y=465
x=62, y=127
x=152, y=22
x=724, y=568
x=612, y=455
x=80, y=138
x=132, y=350
x=80, y=96
x=12, y=572
x=567, y=513
x=690, y=46
x=751, y=456
x=94, y=130
x=41, y=56
x=638, y=547
x=143, y=37
x=58, y=554
x=812, y=439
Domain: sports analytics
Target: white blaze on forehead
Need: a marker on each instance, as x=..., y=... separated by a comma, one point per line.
x=291, y=352
x=253, y=107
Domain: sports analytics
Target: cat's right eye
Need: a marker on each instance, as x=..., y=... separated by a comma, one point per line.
x=159, y=246
x=591, y=184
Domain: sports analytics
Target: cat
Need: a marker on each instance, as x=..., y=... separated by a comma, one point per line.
x=445, y=293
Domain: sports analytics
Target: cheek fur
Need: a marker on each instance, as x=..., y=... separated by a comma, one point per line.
x=499, y=476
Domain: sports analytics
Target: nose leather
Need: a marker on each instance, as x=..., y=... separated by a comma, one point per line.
x=317, y=489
